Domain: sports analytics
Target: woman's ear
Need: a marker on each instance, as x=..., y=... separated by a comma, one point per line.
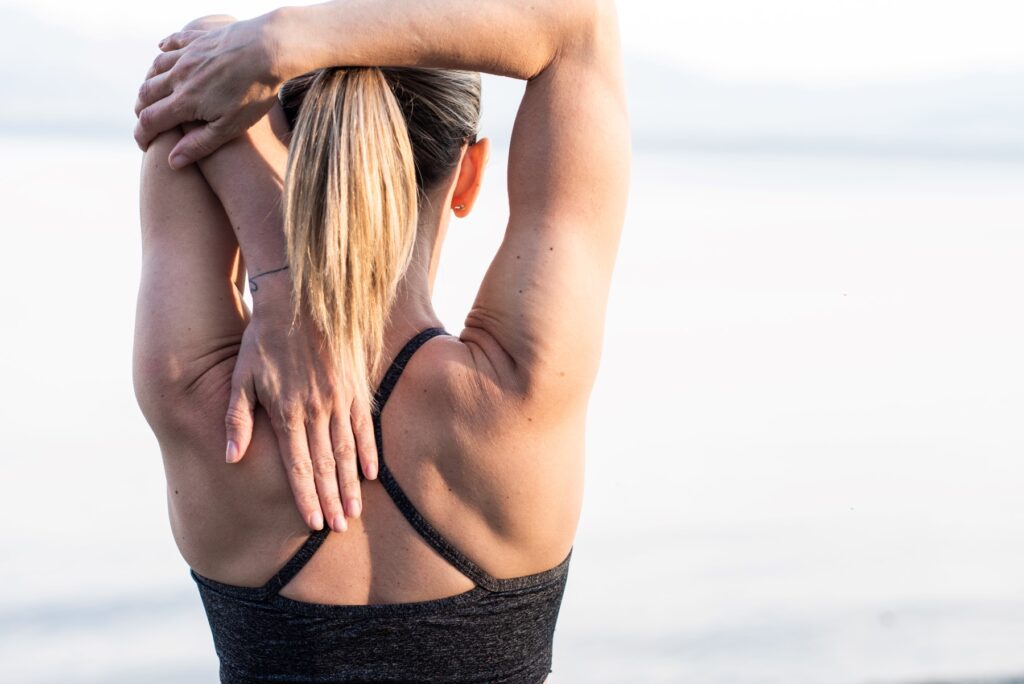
x=471, y=175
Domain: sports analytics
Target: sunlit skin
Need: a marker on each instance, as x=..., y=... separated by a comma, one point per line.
x=486, y=429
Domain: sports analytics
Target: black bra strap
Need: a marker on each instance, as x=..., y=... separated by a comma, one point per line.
x=394, y=371
x=298, y=561
x=295, y=563
x=429, y=533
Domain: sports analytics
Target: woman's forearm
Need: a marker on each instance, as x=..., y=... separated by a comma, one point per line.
x=247, y=175
x=505, y=37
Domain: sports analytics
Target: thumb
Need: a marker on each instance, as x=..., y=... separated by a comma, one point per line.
x=196, y=144
x=238, y=420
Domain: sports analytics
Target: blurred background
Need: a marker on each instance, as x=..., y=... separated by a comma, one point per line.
x=805, y=445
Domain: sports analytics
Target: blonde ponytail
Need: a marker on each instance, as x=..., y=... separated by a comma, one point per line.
x=350, y=208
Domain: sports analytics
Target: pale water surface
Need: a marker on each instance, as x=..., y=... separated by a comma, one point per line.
x=805, y=454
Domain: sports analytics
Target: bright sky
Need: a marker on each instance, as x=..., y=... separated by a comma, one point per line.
x=798, y=41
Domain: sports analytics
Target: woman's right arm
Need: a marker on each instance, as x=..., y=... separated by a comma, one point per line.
x=504, y=37
x=537, y=323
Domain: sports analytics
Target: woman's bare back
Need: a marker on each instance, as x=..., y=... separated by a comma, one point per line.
x=482, y=473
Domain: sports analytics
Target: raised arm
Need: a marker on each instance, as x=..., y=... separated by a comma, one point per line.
x=282, y=363
x=538, y=318
x=537, y=321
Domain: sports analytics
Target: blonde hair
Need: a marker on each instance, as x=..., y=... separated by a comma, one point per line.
x=367, y=144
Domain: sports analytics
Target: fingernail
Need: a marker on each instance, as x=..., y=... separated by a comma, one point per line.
x=316, y=521
x=178, y=161
x=340, y=525
x=355, y=507
x=371, y=472
x=232, y=453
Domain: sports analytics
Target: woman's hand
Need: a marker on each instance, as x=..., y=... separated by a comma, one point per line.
x=285, y=369
x=318, y=427
x=217, y=71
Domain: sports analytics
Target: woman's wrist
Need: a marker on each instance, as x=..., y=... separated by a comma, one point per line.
x=271, y=291
x=287, y=57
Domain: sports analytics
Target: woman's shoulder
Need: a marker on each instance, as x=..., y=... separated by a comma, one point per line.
x=471, y=387
x=510, y=460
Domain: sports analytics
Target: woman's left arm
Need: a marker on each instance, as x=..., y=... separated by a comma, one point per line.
x=320, y=429
x=282, y=364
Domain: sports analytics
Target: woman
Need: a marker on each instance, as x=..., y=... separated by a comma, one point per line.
x=455, y=570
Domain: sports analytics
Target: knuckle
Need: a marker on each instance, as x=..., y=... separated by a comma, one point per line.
x=300, y=469
x=314, y=409
x=235, y=418
x=344, y=450
x=290, y=416
x=324, y=467
x=290, y=427
x=154, y=70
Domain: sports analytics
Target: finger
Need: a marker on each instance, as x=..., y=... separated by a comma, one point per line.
x=196, y=144
x=291, y=439
x=179, y=39
x=239, y=418
x=345, y=457
x=163, y=63
x=366, y=442
x=324, y=471
x=157, y=118
x=153, y=90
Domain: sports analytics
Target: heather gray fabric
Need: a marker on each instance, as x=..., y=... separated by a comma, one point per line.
x=500, y=631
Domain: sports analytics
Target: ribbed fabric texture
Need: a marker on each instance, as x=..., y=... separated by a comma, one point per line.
x=500, y=631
